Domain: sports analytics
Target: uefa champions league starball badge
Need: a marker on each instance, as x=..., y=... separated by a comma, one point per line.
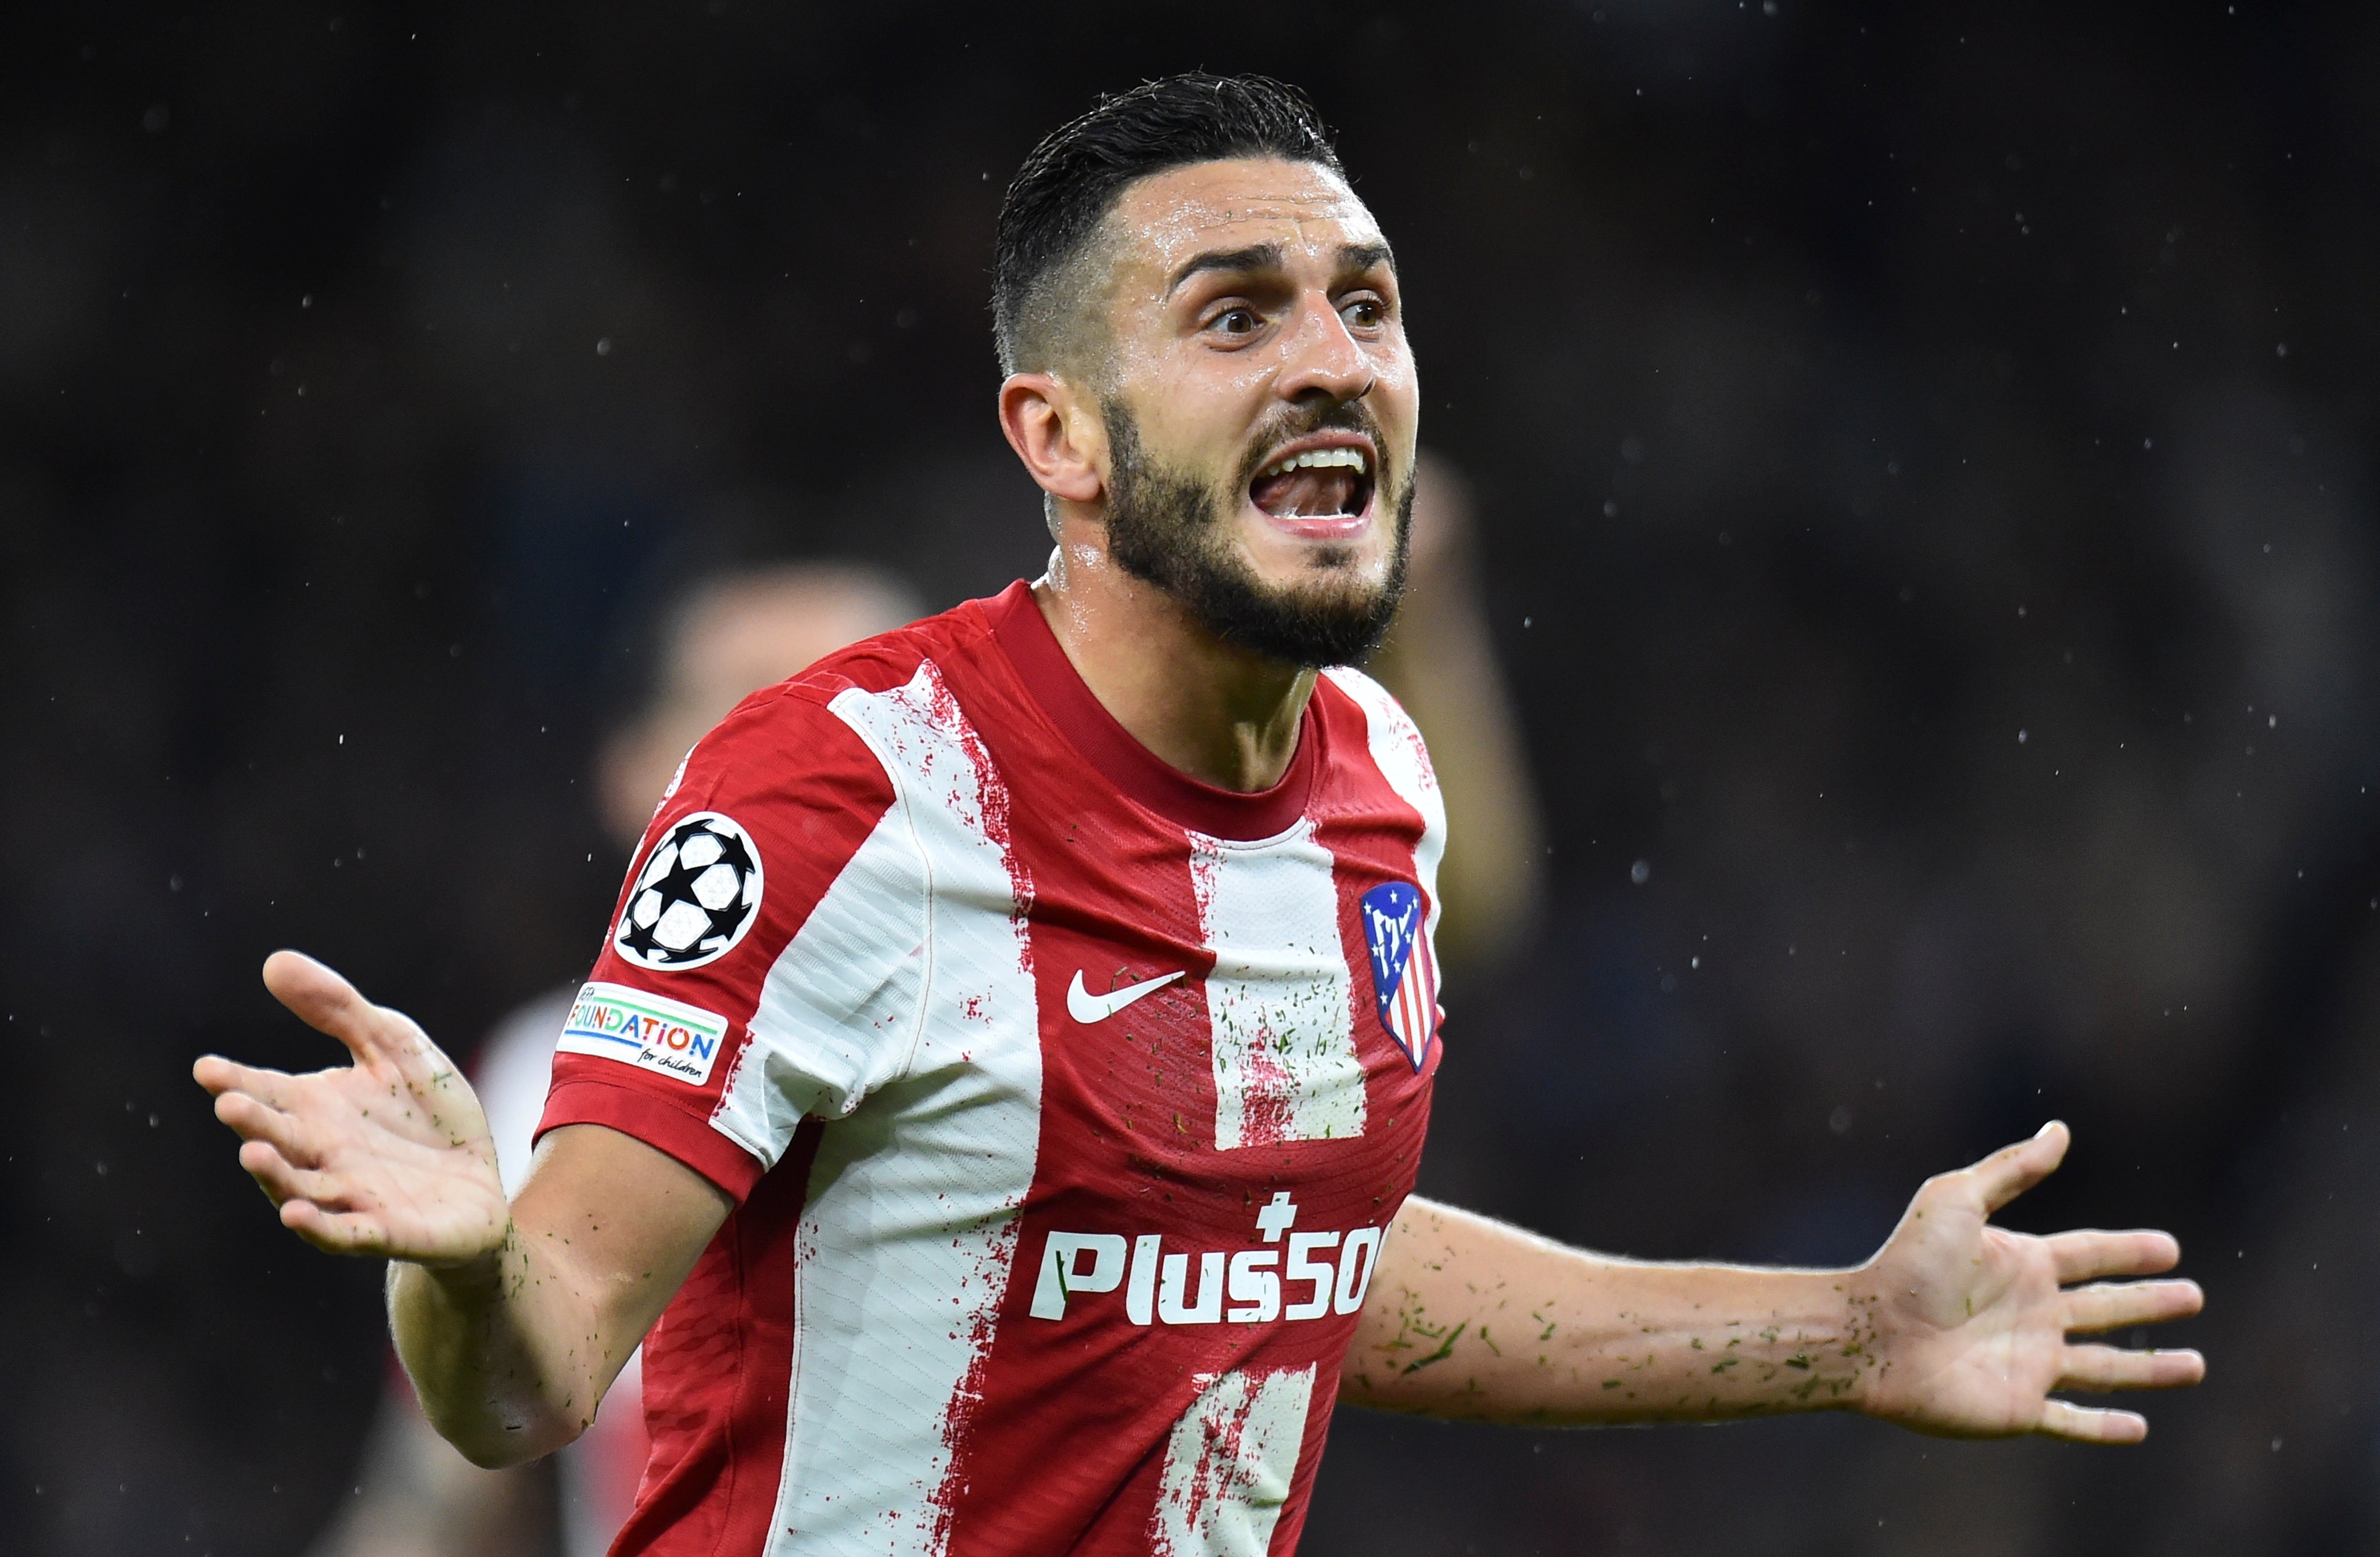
x=697, y=896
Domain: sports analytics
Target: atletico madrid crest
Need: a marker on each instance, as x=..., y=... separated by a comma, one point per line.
x=1404, y=975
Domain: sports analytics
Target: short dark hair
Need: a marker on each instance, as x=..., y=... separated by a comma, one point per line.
x=1070, y=182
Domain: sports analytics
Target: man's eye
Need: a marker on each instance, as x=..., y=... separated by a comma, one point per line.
x=1236, y=321
x=1366, y=312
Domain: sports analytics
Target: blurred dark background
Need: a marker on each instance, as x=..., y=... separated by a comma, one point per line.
x=1926, y=513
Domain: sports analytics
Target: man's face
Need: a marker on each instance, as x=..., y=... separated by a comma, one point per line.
x=1260, y=405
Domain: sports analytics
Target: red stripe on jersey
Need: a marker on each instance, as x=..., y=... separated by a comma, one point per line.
x=717, y=1369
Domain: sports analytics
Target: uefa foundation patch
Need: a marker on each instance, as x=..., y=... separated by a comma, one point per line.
x=613, y=1022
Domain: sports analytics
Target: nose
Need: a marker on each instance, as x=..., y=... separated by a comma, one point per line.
x=1323, y=358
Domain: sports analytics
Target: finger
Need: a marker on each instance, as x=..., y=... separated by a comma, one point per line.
x=2012, y=1169
x=219, y=1076
x=2088, y=1254
x=2084, y=1424
x=2100, y=1369
x=335, y=1231
x=2113, y=1305
x=328, y=1003
x=254, y=1120
x=283, y=1180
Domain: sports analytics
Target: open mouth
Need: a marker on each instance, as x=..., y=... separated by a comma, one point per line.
x=1316, y=485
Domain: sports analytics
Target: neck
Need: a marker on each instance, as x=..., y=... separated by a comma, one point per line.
x=1217, y=712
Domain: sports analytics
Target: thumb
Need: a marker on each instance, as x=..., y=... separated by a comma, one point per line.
x=328, y=1003
x=2012, y=1169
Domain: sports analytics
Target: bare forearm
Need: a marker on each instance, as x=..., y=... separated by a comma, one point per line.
x=1472, y=1318
x=511, y=1353
x=501, y=1352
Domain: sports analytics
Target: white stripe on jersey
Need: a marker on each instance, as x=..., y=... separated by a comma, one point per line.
x=1229, y=1465
x=838, y=1012
x=1280, y=1001
x=904, y=1246
x=1398, y=752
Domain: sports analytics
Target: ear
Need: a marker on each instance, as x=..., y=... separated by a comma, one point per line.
x=1053, y=430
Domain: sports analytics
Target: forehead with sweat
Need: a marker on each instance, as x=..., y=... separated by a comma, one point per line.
x=1080, y=319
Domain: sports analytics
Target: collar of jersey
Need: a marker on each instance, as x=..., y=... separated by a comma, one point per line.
x=1085, y=721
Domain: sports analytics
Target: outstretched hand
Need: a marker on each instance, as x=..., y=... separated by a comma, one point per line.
x=1972, y=1321
x=387, y=1156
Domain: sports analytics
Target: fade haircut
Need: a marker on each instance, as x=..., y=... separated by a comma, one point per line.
x=1055, y=205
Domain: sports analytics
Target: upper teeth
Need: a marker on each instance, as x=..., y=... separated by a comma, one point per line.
x=1315, y=458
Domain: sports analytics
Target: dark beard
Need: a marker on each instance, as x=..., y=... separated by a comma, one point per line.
x=1168, y=530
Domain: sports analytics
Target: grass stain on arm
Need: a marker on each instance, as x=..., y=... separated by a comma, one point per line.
x=1445, y=1350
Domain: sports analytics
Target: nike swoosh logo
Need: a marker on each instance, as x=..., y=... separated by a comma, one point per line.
x=1086, y=1008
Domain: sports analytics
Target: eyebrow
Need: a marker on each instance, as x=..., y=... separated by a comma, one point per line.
x=1353, y=258
x=1254, y=257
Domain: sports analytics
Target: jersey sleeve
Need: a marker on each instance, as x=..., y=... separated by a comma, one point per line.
x=1397, y=750
x=764, y=960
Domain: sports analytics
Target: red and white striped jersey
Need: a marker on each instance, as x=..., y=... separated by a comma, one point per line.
x=1065, y=1099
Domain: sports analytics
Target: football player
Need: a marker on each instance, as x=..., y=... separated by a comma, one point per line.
x=996, y=1105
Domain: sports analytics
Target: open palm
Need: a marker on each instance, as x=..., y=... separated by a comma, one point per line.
x=387, y=1156
x=1972, y=1321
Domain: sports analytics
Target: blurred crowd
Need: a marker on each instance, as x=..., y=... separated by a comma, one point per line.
x=1895, y=611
